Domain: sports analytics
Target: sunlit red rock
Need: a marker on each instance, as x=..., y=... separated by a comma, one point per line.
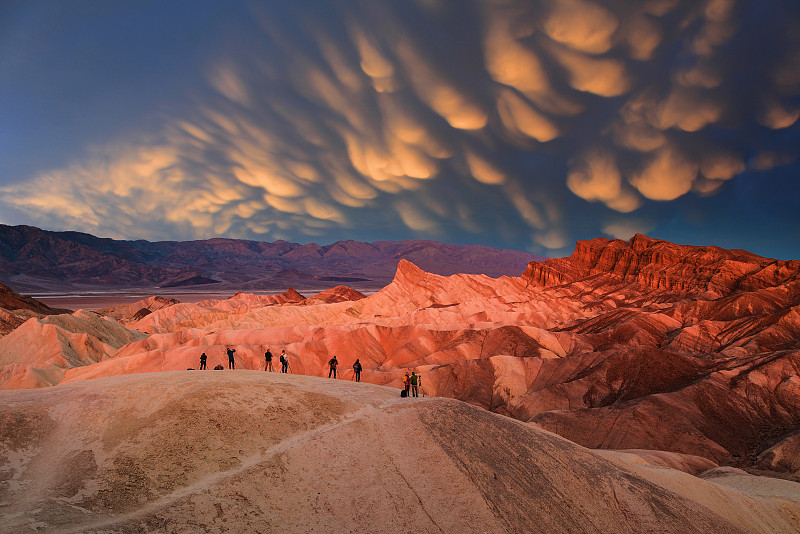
x=335, y=294
x=656, y=264
x=640, y=345
x=288, y=296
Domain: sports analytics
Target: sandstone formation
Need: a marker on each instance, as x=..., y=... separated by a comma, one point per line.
x=192, y=451
x=289, y=296
x=688, y=352
x=335, y=294
x=39, y=352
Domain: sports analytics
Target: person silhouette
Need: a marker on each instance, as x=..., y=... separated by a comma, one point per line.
x=268, y=361
x=357, y=370
x=284, y=362
x=203, y=358
x=333, y=362
x=231, y=363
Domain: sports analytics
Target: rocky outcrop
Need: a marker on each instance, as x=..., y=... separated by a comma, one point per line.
x=729, y=411
x=660, y=265
x=9, y=321
x=290, y=296
x=783, y=457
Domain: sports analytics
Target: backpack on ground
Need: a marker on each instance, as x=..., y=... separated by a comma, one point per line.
x=403, y=393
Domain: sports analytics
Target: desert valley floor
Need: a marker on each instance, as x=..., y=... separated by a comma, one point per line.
x=633, y=387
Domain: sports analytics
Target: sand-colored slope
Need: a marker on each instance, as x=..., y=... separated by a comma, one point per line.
x=256, y=452
x=40, y=351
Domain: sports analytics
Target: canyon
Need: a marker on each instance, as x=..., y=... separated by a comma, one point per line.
x=674, y=364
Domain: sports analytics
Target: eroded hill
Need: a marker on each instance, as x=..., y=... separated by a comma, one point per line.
x=189, y=451
x=640, y=345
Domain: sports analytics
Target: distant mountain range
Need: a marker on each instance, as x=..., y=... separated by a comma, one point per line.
x=33, y=260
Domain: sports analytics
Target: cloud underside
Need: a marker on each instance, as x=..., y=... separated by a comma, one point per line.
x=444, y=118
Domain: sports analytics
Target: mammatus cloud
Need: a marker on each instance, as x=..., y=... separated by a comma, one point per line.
x=667, y=176
x=480, y=119
x=595, y=176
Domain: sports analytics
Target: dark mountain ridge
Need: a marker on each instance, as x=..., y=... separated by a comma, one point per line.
x=32, y=259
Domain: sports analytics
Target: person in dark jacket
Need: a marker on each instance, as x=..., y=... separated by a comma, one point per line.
x=357, y=370
x=334, y=363
x=203, y=358
x=231, y=363
x=268, y=361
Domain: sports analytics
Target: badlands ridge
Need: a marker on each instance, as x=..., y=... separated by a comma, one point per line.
x=685, y=358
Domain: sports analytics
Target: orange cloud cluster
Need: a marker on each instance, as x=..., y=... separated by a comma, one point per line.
x=379, y=119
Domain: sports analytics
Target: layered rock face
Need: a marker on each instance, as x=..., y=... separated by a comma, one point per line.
x=704, y=341
x=661, y=265
x=635, y=346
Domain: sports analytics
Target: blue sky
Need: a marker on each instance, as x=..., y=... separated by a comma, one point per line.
x=516, y=124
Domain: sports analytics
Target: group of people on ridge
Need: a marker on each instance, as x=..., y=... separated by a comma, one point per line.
x=411, y=384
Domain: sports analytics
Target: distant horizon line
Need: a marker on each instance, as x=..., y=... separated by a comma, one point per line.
x=222, y=238
x=410, y=240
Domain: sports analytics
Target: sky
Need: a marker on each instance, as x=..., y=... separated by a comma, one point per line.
x=516, y=124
